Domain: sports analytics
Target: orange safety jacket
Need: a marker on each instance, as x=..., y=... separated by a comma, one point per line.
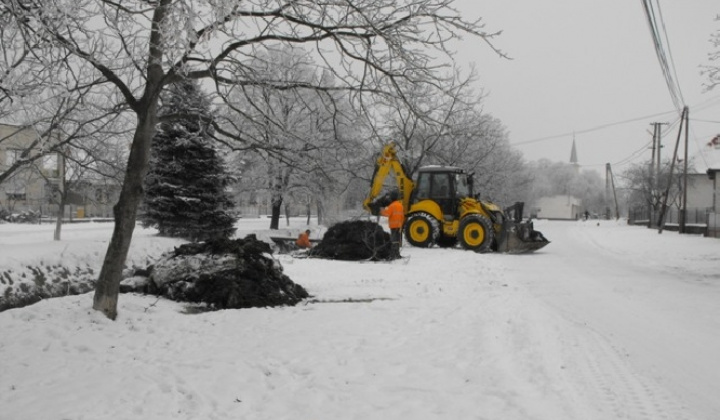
x=395, y=214
x=303, y=241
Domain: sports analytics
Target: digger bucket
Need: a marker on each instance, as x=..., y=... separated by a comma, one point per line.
x=520, y=238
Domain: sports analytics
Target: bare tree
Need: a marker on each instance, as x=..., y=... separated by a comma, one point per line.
x=712, y=71
x=57, y=124
x=302, y=137
x=130, y=50
x=280, y=121
x=646, y=189
x=479, y=143
x=422, y=122
x=41, y=93
x=84, y=167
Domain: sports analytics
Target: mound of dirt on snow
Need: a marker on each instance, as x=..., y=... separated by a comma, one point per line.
x=224, y=273
x=353, y=241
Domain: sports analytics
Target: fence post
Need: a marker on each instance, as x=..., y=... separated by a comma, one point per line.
x=707, y=225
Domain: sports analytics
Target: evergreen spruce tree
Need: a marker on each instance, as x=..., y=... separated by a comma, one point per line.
x=185, y=188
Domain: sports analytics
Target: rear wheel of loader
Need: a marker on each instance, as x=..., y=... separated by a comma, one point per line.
x=420, y=230
x=476, y=233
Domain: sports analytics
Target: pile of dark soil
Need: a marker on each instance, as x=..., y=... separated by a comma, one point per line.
x=223, y=274
x=353, y=241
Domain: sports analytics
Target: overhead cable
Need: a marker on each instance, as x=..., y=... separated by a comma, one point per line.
x=589, y=130
x=662, y=50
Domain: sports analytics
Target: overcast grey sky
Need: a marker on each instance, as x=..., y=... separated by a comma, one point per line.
x=582, y=64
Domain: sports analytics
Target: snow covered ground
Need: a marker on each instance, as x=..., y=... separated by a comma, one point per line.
x=607, y=322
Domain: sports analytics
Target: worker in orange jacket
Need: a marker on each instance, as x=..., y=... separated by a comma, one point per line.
x=303, y=240
x=396, y=217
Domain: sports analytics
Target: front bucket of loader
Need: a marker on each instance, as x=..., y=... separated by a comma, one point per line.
x=520, y=238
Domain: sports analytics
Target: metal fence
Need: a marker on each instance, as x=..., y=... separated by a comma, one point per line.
x=713, y=225
x=693, y=216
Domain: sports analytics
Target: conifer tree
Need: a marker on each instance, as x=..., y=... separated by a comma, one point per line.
x=185, y=188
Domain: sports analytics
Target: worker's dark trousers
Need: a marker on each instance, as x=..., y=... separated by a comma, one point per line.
x=396, y=240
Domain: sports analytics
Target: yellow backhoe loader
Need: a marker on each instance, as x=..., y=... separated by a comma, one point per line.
x=440, y=209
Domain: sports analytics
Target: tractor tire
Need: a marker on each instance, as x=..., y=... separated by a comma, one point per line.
x=421, y=229
x=476, y=233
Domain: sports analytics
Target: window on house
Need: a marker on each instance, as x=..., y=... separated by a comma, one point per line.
x=12, y=156
x=50, y=166
x=16, y=195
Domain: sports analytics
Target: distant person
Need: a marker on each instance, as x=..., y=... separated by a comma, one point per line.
x=303, y=240
x=587, y=214
x=396, y=217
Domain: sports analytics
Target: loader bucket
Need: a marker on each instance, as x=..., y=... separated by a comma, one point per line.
x=520, y=238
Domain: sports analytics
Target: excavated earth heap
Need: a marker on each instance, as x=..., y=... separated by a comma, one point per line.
x=224, y=273
x=354, y=240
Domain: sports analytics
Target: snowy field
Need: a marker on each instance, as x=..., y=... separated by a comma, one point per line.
x=607, y=322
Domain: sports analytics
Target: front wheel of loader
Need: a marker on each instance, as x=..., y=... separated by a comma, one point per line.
x=420, y=230
x=475, y=233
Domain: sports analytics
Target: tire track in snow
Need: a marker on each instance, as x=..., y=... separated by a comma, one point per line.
x=629, y=332
x=619, y=391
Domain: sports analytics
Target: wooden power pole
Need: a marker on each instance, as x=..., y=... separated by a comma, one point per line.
x=683, y=120
x=610, y=182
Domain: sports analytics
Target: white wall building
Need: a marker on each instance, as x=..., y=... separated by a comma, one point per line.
x=559, y=207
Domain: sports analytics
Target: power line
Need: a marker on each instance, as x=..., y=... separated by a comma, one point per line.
x=589, y=130
x=633, y=155
x=667, y=65
x=711, y=102
x=636, y=154
x=639, y=152
x=670, y=56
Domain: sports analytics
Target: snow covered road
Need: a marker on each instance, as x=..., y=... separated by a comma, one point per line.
x=647, y=307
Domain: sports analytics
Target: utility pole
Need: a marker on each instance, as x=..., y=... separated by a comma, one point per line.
x=655, y=167
x=610, y=181
x=683, y=225
x=657, y=128
x=683, y=120
x=651, y=181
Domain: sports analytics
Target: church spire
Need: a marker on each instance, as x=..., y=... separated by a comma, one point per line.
x=573, y=157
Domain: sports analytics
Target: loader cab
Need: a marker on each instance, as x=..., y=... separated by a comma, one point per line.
x=443, y=184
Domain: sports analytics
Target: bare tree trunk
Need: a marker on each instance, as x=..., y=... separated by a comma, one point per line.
x=287, y=214
x=320, y=212
x=60, y=214
x=275, y=213
x=108, y=285
x=276, y=202
x=63, y=199
x=308, y=212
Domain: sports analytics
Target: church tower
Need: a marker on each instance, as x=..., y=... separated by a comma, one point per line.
x=573, y=156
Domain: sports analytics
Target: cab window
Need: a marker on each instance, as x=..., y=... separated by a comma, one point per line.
x=422, y=191
x=441, y=185
x=461, y=185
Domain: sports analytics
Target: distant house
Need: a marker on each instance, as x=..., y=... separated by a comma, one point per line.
x=700, y=192
x=559, y=207
x=713, y=159
x=30, y=187
x=34, y=186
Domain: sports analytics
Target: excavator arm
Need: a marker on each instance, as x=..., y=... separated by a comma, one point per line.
x=388, y=162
